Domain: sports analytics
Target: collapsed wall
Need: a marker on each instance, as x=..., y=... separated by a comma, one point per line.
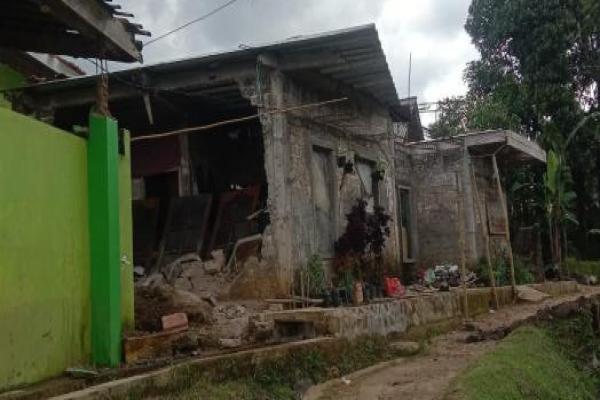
x=310, y=192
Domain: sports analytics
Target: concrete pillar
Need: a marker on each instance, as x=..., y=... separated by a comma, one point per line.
x=277, y=158
x=103, y=192
x=472, y=253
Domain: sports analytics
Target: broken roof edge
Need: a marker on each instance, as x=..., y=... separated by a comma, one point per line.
x=501, y=137
x=356, y=46
x=213, y=56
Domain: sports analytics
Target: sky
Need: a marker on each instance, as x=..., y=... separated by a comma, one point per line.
x=432, y=30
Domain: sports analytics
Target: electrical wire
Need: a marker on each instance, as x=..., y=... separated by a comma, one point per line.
x=203, y=17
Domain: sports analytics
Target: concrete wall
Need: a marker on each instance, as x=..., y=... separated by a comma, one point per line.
x=44, y=279
x=436, y=177
x=289, y=140
x=440, y=181
x=44, y=248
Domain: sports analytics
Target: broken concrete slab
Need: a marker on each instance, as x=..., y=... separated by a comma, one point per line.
x=529, y=295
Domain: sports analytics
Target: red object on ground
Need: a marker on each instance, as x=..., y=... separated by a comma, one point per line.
x=393, y=287
x=175, y=322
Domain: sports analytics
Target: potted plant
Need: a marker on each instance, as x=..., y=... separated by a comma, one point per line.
x=379, y=171
x=359, y=248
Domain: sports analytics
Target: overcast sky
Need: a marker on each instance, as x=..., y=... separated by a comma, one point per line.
x=433, y=30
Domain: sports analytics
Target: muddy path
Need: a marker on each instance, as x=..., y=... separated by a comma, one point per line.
x=428, y=376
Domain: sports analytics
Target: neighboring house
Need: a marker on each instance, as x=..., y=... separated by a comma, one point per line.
x=64, y=295
x=300, y=129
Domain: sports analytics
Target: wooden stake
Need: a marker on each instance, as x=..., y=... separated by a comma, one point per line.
x=511, y=260
x=486, y=235
x=461, y=241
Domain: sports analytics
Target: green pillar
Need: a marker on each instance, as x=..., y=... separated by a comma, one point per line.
x=126, y=224
x=103, y=178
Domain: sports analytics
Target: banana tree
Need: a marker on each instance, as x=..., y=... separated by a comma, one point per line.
x=558, y=203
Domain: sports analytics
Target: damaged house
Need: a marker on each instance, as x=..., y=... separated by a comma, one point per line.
x=254, y=157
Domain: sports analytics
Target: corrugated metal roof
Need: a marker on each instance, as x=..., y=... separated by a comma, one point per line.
x=362, y=64
x=94, y=28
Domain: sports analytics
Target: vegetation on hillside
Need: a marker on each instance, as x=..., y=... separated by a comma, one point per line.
x=554, y=361
x=539, y=74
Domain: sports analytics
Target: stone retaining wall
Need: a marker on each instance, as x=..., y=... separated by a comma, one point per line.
x=398, y=317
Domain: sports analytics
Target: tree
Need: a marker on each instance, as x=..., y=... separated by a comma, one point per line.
x=540, y=60
x=459, y=115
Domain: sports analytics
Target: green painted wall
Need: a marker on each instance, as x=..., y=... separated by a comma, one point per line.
x=126, y=236
x=45, y=286
x=44, y=248
x=9, y=78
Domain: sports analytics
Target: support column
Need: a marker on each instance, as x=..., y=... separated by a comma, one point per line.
x=103, y=192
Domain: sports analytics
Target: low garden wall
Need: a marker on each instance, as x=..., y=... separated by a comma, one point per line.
x=399, y=317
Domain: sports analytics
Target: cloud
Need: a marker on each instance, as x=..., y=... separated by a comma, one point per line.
x=432, y=30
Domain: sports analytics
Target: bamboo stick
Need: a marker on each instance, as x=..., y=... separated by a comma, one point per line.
x=511, y=260
x=486, y=235
x=461, y=241
x=201, y=128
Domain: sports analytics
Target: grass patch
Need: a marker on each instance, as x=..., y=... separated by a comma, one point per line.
x=583, y=267
x=270, y=378
x=533, y=363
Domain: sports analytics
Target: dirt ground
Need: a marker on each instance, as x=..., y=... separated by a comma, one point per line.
x=428, y=376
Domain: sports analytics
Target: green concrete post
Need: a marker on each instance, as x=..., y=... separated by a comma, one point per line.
x=103, y=185
x=126, y=224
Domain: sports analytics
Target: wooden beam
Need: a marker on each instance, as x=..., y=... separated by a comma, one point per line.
x=93, y=20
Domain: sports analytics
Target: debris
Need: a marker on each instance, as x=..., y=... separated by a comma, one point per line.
x=187, y=344
x=81, y=373
x=152, y=281
x=216, y=264
x=152, y=303
x=139, y=271
x=406, y=348
x=445, y=276
x=530, y=295
x=149, y=347
x=211, y=300
x=175, y=322
x=345, y=380
x=242, y=250
x=174, y=269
